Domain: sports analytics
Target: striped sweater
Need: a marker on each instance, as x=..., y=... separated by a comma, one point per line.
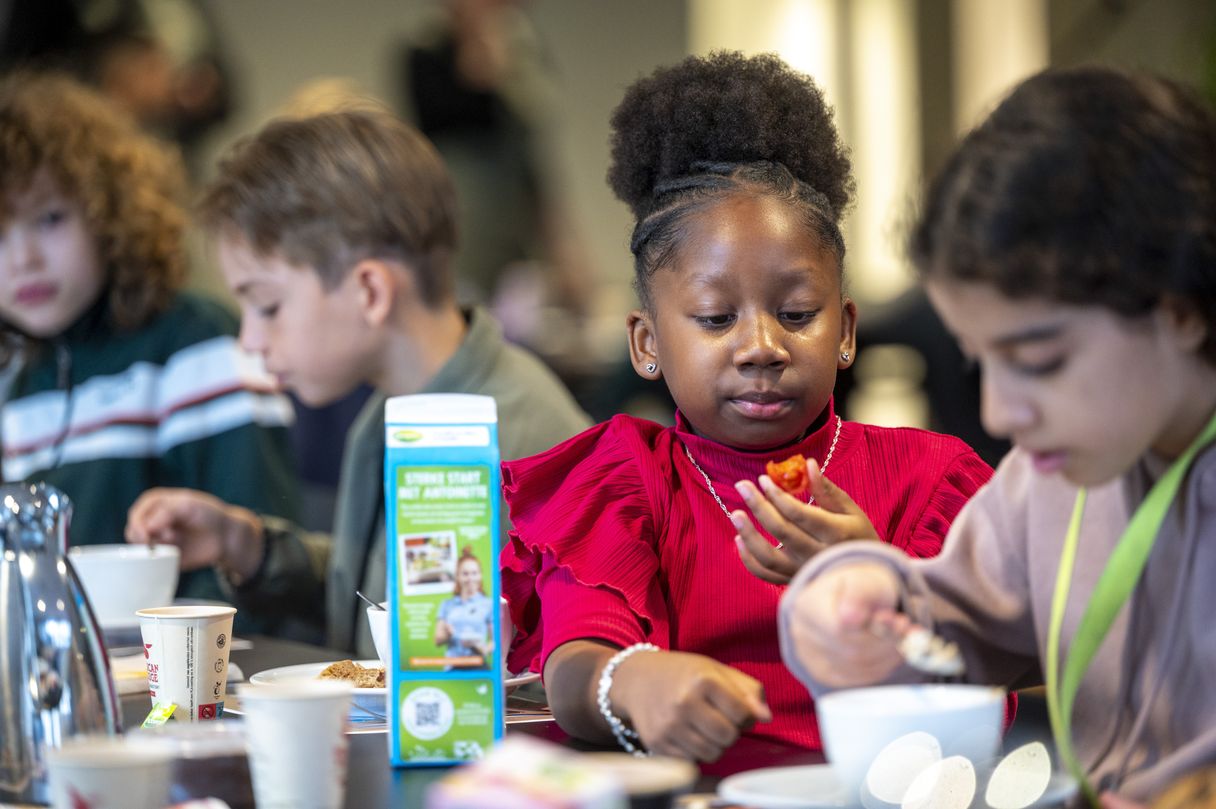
x=104, y=414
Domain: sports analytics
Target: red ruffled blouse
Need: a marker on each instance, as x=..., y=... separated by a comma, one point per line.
x=617, y=537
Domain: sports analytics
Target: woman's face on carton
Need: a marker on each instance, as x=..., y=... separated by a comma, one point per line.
x=313, y=340
x=748, y=324
x=1085, y=391
x=468, y=576
x=50, y=270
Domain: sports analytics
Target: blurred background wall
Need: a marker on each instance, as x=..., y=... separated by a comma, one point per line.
x=906, y=78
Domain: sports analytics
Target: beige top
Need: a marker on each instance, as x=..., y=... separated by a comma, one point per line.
x=1145, y=712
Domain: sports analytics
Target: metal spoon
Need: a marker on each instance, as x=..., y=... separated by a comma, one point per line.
x=370, y=603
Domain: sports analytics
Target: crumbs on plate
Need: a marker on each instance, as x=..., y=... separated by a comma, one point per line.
x=361, y=676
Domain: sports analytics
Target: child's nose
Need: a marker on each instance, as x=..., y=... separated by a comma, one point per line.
x=252, y=337
x=1003, y=411
x=24, y=249
x=761, y=343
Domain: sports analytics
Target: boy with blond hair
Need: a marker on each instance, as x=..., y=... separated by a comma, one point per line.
x=336, y=233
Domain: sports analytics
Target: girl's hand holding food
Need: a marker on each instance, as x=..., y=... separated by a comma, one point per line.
x=802, y=528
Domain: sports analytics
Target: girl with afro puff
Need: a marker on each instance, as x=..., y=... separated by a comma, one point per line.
x=646, y=563
x=120, y=381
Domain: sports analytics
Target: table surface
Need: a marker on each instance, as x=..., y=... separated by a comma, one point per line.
x=371, y=782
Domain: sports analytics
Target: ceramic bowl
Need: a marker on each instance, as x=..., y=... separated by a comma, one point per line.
x=857, y=725
x=377, y=622
x=120, y=579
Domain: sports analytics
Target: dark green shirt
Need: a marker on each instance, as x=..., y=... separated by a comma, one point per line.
x=104, y=414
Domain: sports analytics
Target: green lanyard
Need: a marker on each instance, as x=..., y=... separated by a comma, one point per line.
x=1115, y=585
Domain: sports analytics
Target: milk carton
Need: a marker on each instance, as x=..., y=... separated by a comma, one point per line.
x=442, y=496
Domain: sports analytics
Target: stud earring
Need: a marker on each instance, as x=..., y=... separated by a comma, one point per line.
x=651, y=367
x=844, y=356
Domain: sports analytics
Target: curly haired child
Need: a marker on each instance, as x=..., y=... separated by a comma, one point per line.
x=629, y=563
x=1070, y=246
x=122, y=380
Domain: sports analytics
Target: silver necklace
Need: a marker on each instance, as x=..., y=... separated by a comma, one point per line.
x=827, y=460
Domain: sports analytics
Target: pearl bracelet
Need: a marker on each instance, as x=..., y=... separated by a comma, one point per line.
x=623, y=734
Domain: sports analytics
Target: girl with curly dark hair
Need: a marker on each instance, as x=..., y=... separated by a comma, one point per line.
x=1070, y=245
x=121, y=381
x=634, y=538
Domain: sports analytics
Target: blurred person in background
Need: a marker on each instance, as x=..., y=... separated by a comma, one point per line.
x=478, y=82
x=158, y=60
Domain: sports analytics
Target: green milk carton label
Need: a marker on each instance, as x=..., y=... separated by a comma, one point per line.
x=446, y=720
x=442, y=502
x=444, y=551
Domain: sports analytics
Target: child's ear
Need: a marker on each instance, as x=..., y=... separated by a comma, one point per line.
x=643, y=345
x=376, y=287
x=1185, y=322
x=848, y=334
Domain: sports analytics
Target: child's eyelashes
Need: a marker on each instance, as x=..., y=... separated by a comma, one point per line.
x=267, y=312
x=797, y=318
x=52, y=217
x=714, y=321
x=1040, y=368
x=720, y=321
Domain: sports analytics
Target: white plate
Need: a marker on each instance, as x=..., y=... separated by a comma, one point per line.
x=807, y=787
x=365, y=700
x=815, y=787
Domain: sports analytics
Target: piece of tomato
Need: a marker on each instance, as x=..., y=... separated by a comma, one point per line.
x=790, y=474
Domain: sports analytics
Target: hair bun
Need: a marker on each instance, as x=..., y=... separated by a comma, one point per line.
x=725, y=108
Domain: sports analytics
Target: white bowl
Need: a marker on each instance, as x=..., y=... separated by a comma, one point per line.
x=120, y=579
x=857, y=724
x=377, y=622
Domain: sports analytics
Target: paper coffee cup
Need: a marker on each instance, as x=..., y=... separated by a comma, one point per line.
x=186, y=651
x=297, y=742
x=108, y=772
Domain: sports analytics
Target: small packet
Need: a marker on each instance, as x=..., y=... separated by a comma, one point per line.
x=159, y=714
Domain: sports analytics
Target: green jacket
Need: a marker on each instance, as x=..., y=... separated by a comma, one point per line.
x=104, y=414
x=308, y=580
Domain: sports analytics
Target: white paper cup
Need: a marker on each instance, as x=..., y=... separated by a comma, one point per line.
x=296, y=736
x=108, y=772
x=186, y=650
